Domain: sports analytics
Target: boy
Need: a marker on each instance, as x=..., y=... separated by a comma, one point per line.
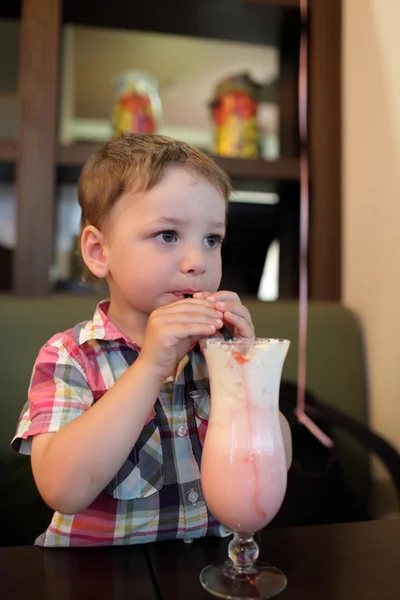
x=118, y=406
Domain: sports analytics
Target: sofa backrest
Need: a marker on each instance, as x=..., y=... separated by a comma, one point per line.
x=335, y=373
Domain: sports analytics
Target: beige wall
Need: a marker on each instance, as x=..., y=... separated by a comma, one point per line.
x=371, y=193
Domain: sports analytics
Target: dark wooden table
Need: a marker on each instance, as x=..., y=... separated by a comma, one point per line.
x=356, y=561
x=32, y=573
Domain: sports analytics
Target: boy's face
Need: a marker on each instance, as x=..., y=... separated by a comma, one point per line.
x=165, y=242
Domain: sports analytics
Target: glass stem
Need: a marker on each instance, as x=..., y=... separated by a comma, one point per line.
x=243, y=552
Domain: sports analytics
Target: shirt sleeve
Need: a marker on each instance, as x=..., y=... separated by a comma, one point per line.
x=58, y=393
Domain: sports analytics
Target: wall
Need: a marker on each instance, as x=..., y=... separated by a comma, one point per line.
x=371, y=196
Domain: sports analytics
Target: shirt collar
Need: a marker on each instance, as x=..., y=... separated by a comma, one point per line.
x=101, y=328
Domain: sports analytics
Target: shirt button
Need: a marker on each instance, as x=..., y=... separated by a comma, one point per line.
x=193, y=496
x=188, y=540
x=181, y=430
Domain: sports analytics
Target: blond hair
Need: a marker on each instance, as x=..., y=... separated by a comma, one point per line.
x=137, y=162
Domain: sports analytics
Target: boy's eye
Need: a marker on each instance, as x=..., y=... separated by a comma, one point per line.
x=167, y=236
x=214, y=240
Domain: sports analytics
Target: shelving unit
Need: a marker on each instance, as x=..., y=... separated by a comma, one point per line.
x=41, y=159
x=8, y=150
x=284, y=169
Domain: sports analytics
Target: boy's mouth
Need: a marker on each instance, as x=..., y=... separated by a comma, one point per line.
x=185, y=293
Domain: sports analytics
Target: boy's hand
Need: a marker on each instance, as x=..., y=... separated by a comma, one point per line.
x=236, y=316
x=172, y=329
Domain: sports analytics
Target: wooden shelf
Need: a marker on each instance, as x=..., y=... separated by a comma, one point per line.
x=12, y=10
x=257, y=22
x=8, y=150
x=280, y=3
x=76, y=154
x=282, y=169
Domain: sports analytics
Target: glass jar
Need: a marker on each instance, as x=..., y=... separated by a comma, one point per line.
x=137, y=107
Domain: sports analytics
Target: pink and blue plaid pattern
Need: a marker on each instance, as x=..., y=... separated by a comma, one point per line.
x=156, y=494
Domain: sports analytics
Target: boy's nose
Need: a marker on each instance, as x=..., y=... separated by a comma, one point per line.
x=193, y=262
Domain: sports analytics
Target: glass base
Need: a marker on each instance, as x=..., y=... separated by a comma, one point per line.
x=224, y=581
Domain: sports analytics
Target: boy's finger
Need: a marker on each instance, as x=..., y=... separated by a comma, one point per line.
x=201, y=295
x=224, y=296
x=198, y=330
x=192, y=308
x=243, y=327
x=235, y=308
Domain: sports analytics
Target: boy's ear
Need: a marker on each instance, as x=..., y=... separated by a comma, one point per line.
x=93, y=252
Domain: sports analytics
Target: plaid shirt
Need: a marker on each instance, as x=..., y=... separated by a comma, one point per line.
x=156, y=494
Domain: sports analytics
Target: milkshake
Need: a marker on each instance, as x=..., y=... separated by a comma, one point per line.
x=243, y=468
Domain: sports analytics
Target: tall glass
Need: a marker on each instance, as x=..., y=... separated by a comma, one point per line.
x=243, y=468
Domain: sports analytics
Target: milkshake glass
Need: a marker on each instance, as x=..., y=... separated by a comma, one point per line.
x=243, y=468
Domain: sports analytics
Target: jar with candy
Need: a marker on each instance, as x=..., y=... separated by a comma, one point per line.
x=234, y=113
x=137, y=107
